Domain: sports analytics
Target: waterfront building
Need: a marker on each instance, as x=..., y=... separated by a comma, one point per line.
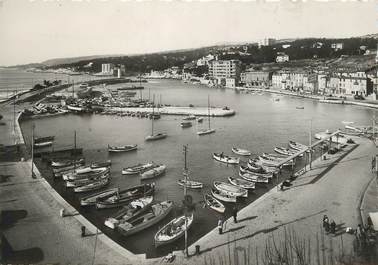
x=256, y=78
x=347, y=84
x=222, y=69
x=231, y=82
x=280, y=80
x=282, y=57
x=107, y=68
x=205, y=60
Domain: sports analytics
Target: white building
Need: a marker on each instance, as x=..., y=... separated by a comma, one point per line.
x=205, y=60
x=266, y=42
x=107, y=68
x=282, y=57
x=231, y=82
x=222, y=69
x=337, y=46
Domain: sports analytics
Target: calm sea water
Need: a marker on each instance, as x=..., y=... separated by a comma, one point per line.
x=260, y=124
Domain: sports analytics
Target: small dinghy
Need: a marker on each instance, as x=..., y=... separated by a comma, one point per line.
x=91, y=199
x=137, y=169
x=204, y=132
x=214, y=204
x=126, y=148
x=86, y=181
x=66, y=170
x=67, y=163
x=240, y=151
x=125, y=196
x=157, y=136
x=94, y=172
x=220, y=195
x=173, y=230
x=96, y=185
x=225, y=159
x=43, y=144
x=230, y=189
x=277, y=158
x=262, y=173
x=200, y=120
x=253, y=163
x=106, y=163
x=285, y=151
x=133, y=209
x=253, y=178
x=190, y=184
x=241, y=183
x=297, y=146
x=153, y=215
x=186, y=124
x=154, y=172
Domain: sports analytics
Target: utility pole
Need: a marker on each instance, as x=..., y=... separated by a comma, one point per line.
x=14, y=111
x=32, y=152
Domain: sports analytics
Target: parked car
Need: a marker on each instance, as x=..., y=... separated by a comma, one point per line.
x=359, y=97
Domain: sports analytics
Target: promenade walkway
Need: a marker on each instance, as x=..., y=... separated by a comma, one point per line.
x=300, y=208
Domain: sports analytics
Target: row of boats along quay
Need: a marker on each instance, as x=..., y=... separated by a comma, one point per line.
x=129, y=178
x=133, y=191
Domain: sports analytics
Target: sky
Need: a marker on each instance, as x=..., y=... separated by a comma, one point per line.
x=37, y=30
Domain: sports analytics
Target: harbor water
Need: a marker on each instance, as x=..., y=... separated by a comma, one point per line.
x=262, y=122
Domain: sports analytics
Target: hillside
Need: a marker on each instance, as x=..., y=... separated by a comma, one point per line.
x=71, y=60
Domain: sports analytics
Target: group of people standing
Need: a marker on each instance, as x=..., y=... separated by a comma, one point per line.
x=329, y=226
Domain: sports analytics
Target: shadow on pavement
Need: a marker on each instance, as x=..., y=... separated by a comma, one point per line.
x=5, y=178
x=10, y=217
x=234, y=229
x=10, y=256
x=247, y=218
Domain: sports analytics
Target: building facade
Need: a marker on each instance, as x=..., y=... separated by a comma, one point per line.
x=107, y=68
x=223, y=69
x=282, y=57
x=256, y=78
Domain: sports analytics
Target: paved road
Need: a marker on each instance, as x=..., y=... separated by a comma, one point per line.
x=336, y=193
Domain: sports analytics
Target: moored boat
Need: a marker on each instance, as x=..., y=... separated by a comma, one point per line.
x=125, y=148
x=200, y=120
x=241, y=183
x=173, y=230
x=93, y=186
x=106, y=163
x=242, y=152
x=133, y=209
x=66, y=163
x=157, y=136
x=260, y=173
x=189, y=118
x=94, y=172
x=230, y=189
x=214, y=204
x=253, y=177
x=190, y=184
x=220, y=195
x=225, y=159
x=137, y=169
x=207, y=131
x=85, y=181
x=43, y=144
x=186, y=124
x=297, y=146
x=91, y=199
x=154, y=172
x=285, y=151
x=125, y=196
x=155, y=214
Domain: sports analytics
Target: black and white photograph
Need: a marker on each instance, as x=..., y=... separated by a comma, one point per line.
x=189, y=132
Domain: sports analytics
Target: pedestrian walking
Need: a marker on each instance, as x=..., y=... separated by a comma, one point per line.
x=235, y=214
x=220, y=226
x=333, y=227
x=326, y=223
x=373, y=163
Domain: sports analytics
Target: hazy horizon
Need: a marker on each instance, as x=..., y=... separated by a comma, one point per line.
x=36, y=31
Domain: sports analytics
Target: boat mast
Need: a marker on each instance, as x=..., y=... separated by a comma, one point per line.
x=153, y=115
x=32, y=152
x=185, y=183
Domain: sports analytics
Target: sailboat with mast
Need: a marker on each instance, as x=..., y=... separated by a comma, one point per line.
x=186, y=182
x=153, y=136
x=209, y=130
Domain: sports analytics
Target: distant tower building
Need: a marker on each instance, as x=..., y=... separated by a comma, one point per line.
x=107, y=68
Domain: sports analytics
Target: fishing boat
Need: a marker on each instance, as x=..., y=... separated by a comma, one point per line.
x=209, y=130
x=68, y=170
x=297, y=146
x=199, y=120
x=139, y=168
x=86, y=174
x=266, y=168
x=261, y=173
x=44, y=139
x=43, y=144
x=268, y=162
x=93, y=186
x=133, y=209
x=86, y=181
x=106, y=163
x=155, y=214
x=279, y=159
x=241, y=183
x=186, y=124
x=230, y=189
x=189, y=118
x=173, y=230
x=220, y=195
x=190, y=184
x=154, y=136
x=154, y=172
x=66, y=163
x=186, y=182
x=253, y=177
x=91, y=199
x=242, y=152
x=214, y=204
x=126, y=148
x=285, y=151
x=225, y=159
x=125, y=196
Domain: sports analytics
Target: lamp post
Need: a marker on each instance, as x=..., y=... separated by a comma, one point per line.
x=32, y=152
